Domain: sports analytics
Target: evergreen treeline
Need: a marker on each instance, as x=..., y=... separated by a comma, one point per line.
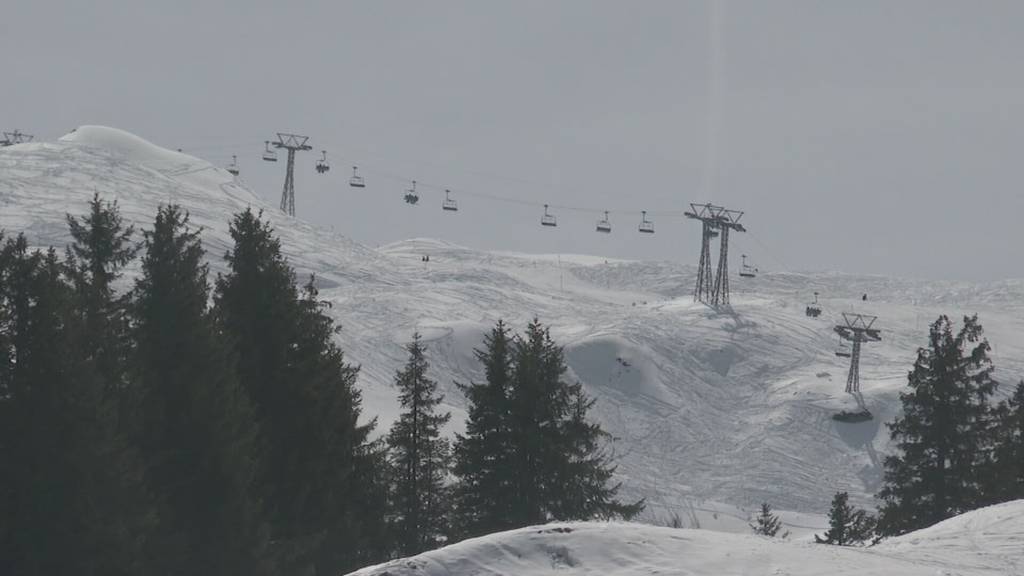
x=529, y=454
x=177, y=427
x=956, y=449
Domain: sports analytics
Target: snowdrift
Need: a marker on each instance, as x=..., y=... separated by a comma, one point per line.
x=987, y=542
x=712, y=412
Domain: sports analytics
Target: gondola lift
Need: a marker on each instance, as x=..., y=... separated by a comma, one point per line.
x=449, y=204
x=746, y=270
x=646, y=226
x=813, y=309
x=233, y=167
x=356, y=181
x=843, y=351
x=268, y=154
x=411, y=197
x=321, y=165
x=548, y=219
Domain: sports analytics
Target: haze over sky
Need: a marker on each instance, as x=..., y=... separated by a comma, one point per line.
x=871, y=136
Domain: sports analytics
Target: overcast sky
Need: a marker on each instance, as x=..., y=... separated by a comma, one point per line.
x=873, y=137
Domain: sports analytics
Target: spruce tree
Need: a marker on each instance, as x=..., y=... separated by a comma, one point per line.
x=1007, y=480
x=583, y=488
x=419, y=458
x=944, y=437
x=336, y=488
x=101, y=246
x=483, y=456
x=321, y=478
x=847, y=525
x=559, y=471
x=766, y=523
x=195, y=423
x=71, y=491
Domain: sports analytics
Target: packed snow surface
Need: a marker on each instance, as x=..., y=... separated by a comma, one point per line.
x=987, y=542
x=711, y=412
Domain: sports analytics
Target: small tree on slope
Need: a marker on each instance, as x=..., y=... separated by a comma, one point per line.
x=419, y=458
x=944, y=436
x=767, y=523
x=847, y=525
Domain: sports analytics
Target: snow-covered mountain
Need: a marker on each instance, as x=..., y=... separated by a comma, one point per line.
x=712, y=413
x=986, y=542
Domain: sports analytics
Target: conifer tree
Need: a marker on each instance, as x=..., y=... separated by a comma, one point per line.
x=321, y=478
x=101, y=246
x=538, y=402
x=483, y=455
x=420, y=458
x=336, y=490
x=195, y=423
x=558, y=469
x=847, y=525
x=1007, y=480
x=766, y=523
x=71, y=493
x=583, y=488
x=944, y=436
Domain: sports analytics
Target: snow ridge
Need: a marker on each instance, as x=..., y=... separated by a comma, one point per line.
x=986, y=542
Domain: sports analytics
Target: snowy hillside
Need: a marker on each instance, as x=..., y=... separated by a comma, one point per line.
x=986, y=542
x=712, y=412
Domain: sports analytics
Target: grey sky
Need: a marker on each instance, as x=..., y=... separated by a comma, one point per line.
x=877, y=137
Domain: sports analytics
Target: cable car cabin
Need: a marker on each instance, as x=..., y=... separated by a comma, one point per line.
x=548, y=219
x=356, y=181
x=411, y=197
x=233, y=167
x=321, y=165
x=813, y=309
x=268, y=154
x=604, y=226
x=746, y=270
x=449, y=204
x=646, y=226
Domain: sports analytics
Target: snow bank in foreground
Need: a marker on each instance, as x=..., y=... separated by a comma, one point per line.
x=984, y=542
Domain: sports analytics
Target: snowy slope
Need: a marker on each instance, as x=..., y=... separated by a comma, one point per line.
x=712, y=412
x=987, y=542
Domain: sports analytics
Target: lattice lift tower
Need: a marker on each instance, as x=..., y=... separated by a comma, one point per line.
x=16, y=137
x=291, y=143
x=716, y=221
x=856, y=328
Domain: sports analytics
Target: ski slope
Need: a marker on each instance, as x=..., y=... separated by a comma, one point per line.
x=712, y=412
x=986, y=542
